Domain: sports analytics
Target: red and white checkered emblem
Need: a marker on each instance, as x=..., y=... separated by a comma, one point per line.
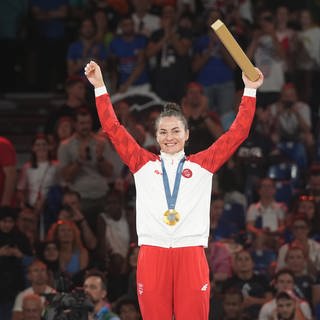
x=187, y=173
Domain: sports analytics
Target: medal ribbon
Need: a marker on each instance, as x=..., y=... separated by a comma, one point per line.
x=172, y=198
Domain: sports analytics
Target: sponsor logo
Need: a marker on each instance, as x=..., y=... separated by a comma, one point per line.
x=187, y=173
x=205, y=287
x=158, y=172
x=140, y=288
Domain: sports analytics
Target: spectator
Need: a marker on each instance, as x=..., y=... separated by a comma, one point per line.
x=127, y=55
x=300, y=236
x=73, y=257
x=268, y=55
x=168, y=53
x=307, y=55
x=227, y=220
x=85, y=49
x=304, y=282
x=145, y=23
x=213, y=67
x=84, y=165
x=255, y=288
x=128, y=309
x=37, y=175
x=95, y=287
x=285, y=35
x=291, y=122
x=32, y=307
x=104, y=34
x=63, y=130
x=38, y=277
x=283, y=280
x=287, y=307
x=14, y=247
x=232, y=304
x=7, y=171
x=263, y=257
x=307, y=206
x=113, y=233
x=27, y=223
x=48, y=252
x=266, y=217
x=71, y=210
x=220, y=261
x=75, y=90
x=204, y=125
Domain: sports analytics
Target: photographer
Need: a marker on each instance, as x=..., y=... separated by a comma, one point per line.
x=290, y=124
x=291, y=117
x=95, y=287
x=72, y=211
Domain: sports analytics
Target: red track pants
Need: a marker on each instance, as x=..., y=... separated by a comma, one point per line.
x=173, y=281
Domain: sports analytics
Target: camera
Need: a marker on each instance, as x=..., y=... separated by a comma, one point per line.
x=74, y=305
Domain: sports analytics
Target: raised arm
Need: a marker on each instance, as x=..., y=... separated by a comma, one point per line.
x=128, y=149
x=221, y=150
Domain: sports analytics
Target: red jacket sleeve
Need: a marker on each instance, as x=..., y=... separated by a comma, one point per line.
x=221, y=150
x=131, y=153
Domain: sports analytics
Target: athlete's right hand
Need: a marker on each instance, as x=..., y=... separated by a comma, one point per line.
x=93, y=74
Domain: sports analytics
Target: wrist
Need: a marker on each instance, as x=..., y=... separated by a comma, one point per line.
x=100, y=90
x=250, y=92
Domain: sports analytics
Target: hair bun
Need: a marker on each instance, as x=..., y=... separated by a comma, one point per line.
x=171, y=106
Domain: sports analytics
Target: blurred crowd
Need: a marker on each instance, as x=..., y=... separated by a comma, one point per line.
x=67, y=216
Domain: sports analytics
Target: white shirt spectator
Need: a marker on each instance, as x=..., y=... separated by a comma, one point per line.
x=314, y=254
x=19, y=298
x=268, y=309
x=270, y=216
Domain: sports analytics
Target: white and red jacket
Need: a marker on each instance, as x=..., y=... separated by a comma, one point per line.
x=193, y=201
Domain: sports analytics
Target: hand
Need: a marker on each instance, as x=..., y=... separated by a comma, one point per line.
x=77, y=215
x=253, y=84
x=93, y=74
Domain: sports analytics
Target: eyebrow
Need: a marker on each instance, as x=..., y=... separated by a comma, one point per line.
x=163, y=129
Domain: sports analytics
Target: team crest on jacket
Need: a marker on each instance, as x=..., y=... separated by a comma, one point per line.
x=187, y=173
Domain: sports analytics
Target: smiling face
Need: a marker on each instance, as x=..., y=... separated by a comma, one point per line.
x=171, y=135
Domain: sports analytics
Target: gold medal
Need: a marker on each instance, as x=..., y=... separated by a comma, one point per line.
x=171, y=217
